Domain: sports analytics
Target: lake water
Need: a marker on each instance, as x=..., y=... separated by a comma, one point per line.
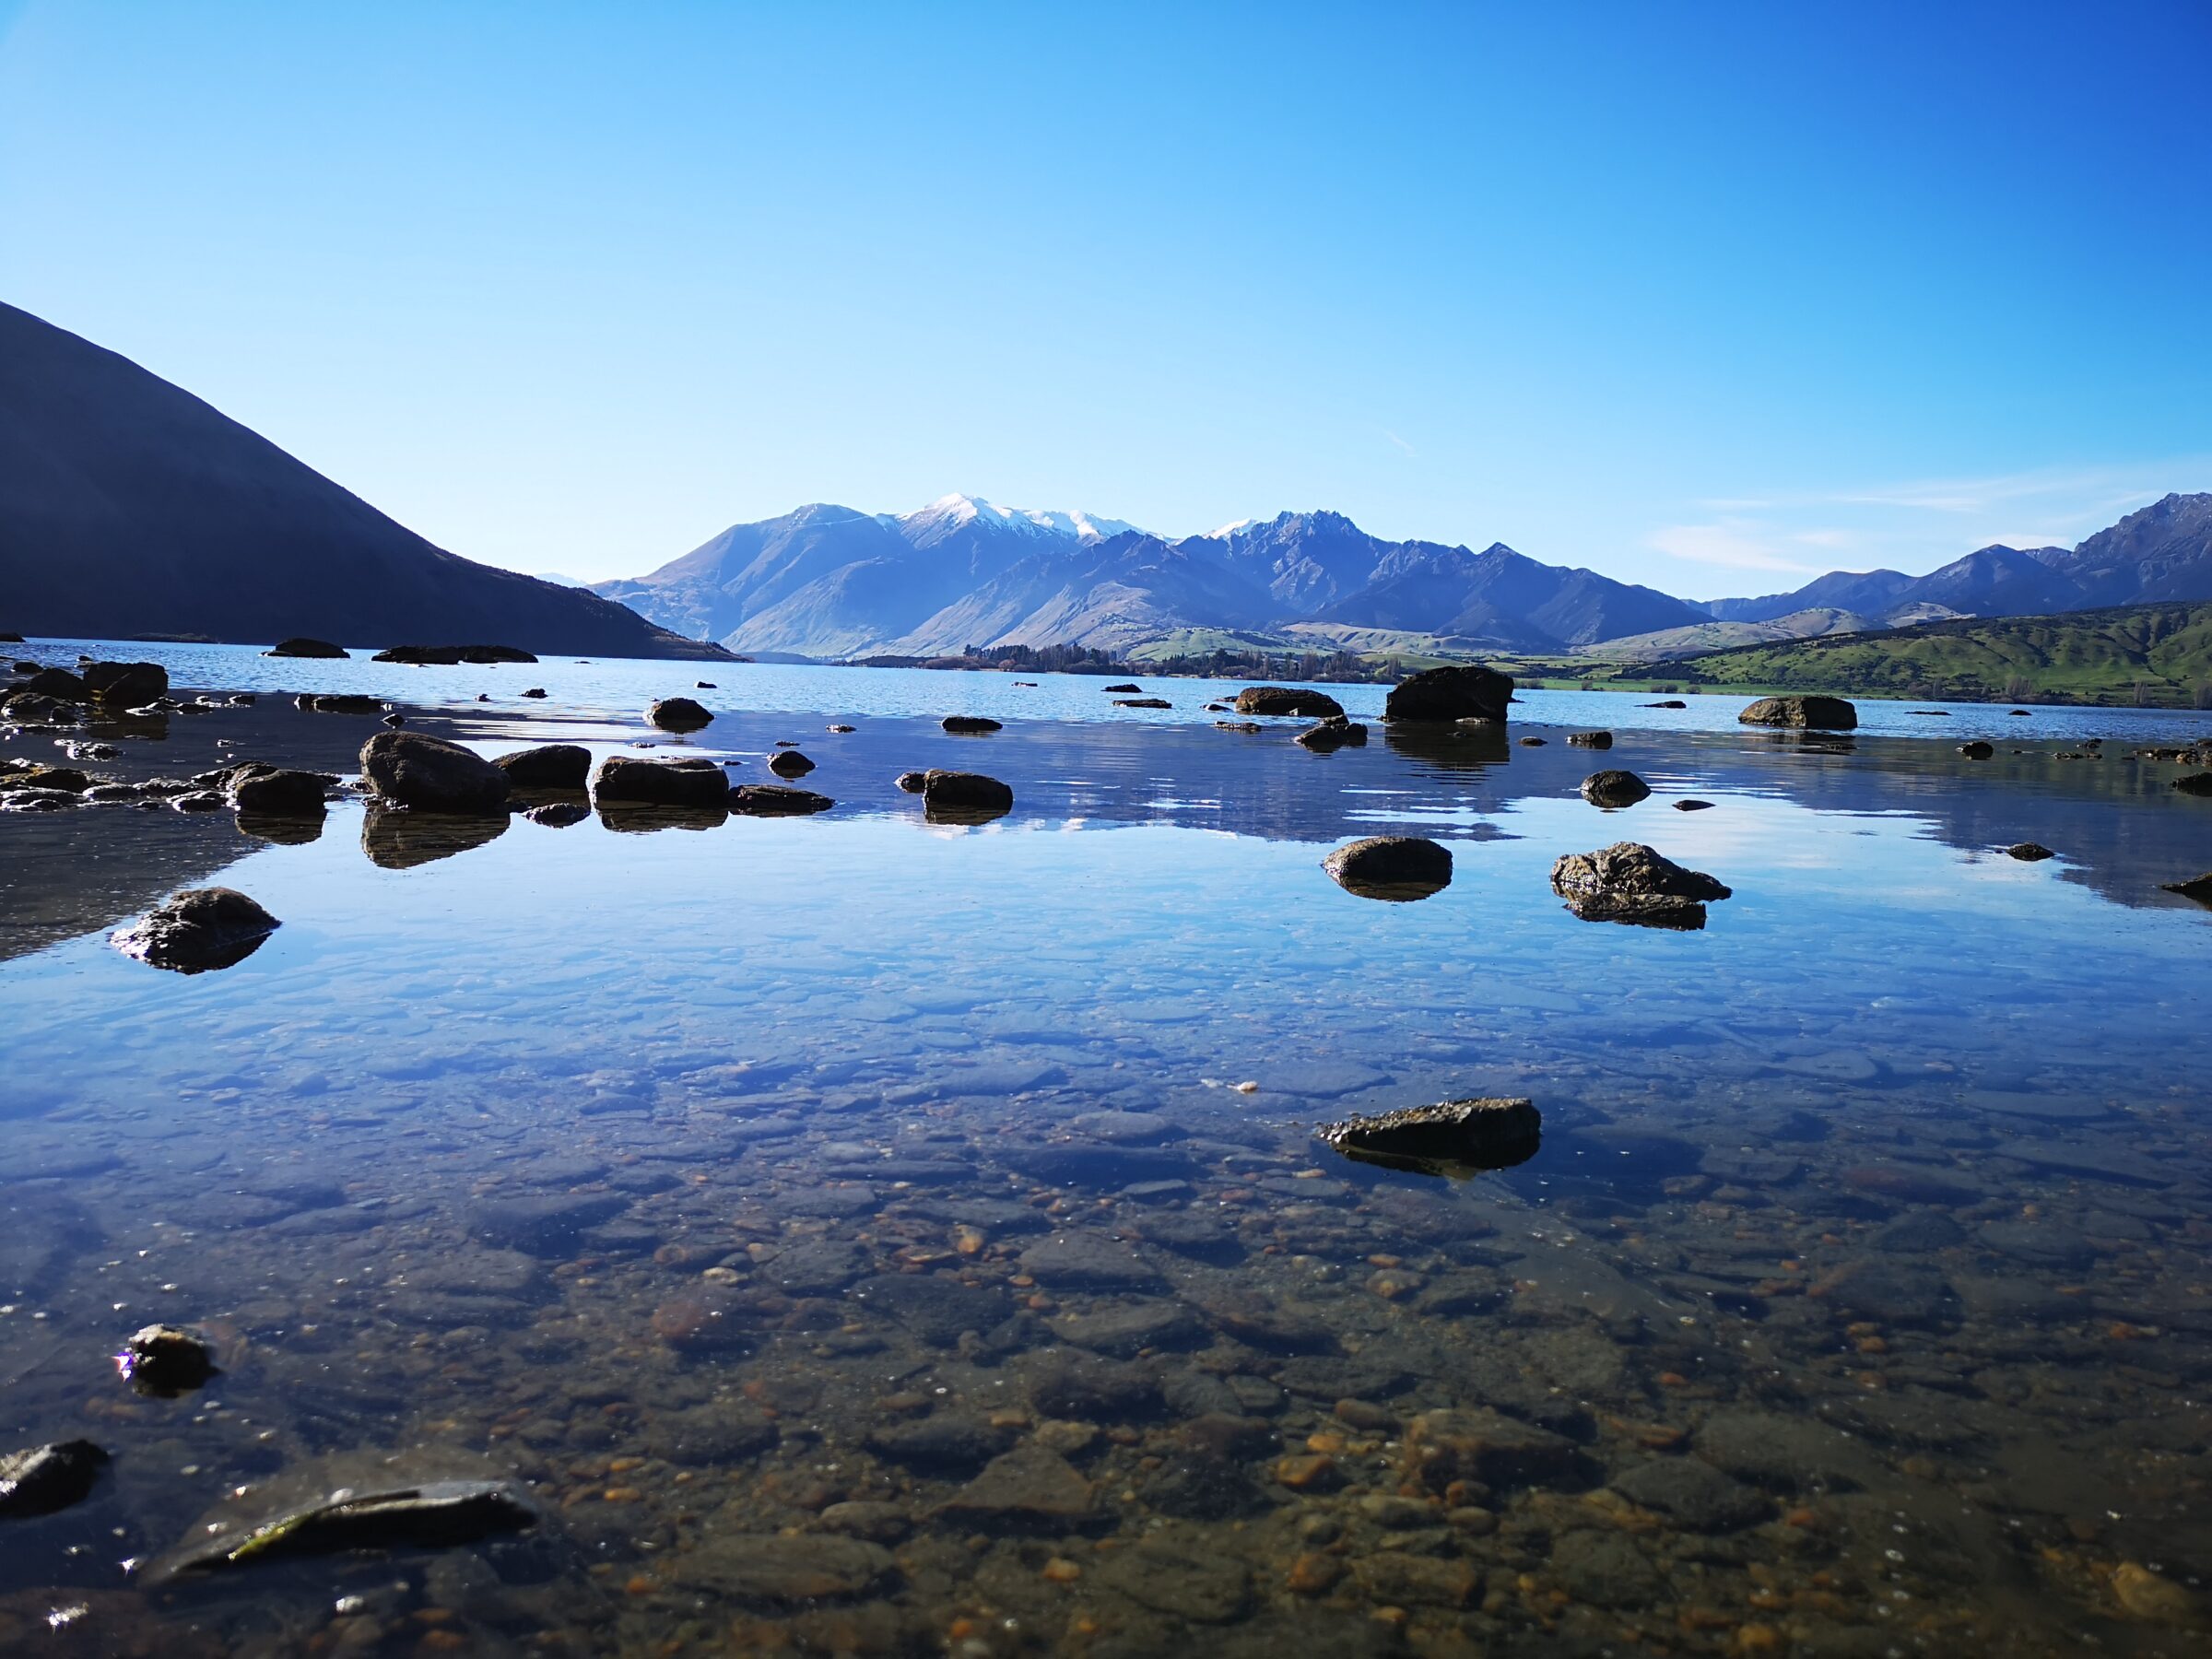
x=861, y=1235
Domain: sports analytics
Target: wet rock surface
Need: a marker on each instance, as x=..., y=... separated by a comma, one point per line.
x=1818, y=714
x=198, y=931
x=428, y=774
x=1630, y=882
x=679, y=714
x=1288, y=700
x=45, y=1479
x=1615, y=789
x=1451, y=694
x=1391, y=866
x=553, y=767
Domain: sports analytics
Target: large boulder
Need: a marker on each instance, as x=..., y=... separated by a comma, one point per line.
x=1468, y=691
x=1455, y=1137
x=551, y=768
x=126, y=685
x=277, y=792
x=1332, y=734
x=1394, y=868
x=301, y=646
x=965, y=791
x=678, y=714
x=1810, y=714
x=1630, y=882
x=789, y=763
x=198, y=930
x=627, y=781
x=53, y=682
x=1288, y=700
x=1615, y=789
x=46, y=1478
x=429, y=774
x=970, y=725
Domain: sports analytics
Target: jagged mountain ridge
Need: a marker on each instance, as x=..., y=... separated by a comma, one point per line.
x=130, y=507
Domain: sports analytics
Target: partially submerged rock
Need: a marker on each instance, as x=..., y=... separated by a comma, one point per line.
x=2029, y=851
x=970, y=725
x=2197, y=887
x=775, y=800
x=913, y=782
x=678, y=714
x=301, y=646
x=1615, y=789
x=198, y=930
x=277, y=792
x=790, y=763
x=1814, y=713
x=1977, y=750
x=46, y=1478
x=1468, y=691
x=2196, y=783
x=625, y=780
x=1455, y=1138
x=166, y=1360
x=336, y=702
x=1630, y=882
x=1591, y=739
x=965, y=797
x=446, y=656
x=1126, y=686
x=1288, y=700
x=1396, y=868
x=1338, y=733
x=429, y=774
x=434, y=1515
x=125, y=685
x=549, y=769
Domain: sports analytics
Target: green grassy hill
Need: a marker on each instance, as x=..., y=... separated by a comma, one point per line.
x=2156, y=655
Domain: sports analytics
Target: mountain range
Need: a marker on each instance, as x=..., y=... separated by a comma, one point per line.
x=833, y=581
x=129, y=507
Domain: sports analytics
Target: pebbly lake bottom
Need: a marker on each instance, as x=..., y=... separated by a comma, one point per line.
x=860, y=1236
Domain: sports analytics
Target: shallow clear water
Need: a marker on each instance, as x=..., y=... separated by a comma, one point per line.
x=747, y=1190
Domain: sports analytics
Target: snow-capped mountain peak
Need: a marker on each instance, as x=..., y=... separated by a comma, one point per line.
x=950, y=512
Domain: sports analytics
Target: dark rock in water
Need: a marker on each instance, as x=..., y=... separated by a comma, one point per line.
x=970, y=725
x=1615, y=789
x=723, y=1432
x=1396, y=868
x=773, y=800
x=947, y=1441
x=1480, y=1444
x=1467, y=692
x=2196, y=783
x=1142, y=702
x=704, y=686
x=46, y=1478
x=303, y=647
x=1672, y=702
x=1688, y=804
x=1124, y=686
x=447, y=656
x=678, y=714
x=1288, y=700
x=1028, y=1485
x=790, y=763
x=199, y=800
x=965, y=793
x=429, y=774
x=1087, y=1261
x=1894, y=1293
x=913, y=782
x=166, y=1360
x=278, y=792
x=432, y=1516
x=1238, y=725
x=1199, y=1486
x=1917, y=1232
x=1816, y=713
x=53, y=682
x=550, y=1225
x=1691, y=1493
x=1125, y=1329
x=1977, y=750
x=558, y=814
x=1591, y=739
x=551, y=767
x=940, y=1311
x=536, y=691
x=1630, y=882
x=1531, y=742
x=774, y=1568
x=1334, y=734
x=840, y=728
x=2029, y=851
x=625, y=780
x=338, y=702
x=67, y=779
x=125, y=685
x=1199, y=1586
x=1455, y=1138
x=198, y=930
x=2197, y=887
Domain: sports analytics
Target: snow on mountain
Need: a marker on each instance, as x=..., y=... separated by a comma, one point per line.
x=950, y=512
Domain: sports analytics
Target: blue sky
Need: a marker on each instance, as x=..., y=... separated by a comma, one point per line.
x=1708, y=297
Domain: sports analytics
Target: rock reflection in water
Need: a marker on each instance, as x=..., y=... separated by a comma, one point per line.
x=404, y=840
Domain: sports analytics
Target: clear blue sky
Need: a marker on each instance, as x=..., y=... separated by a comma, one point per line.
x=1691, y=294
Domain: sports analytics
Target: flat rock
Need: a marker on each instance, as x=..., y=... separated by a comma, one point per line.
x=1028, y=1484
x=769, y=1567
x=1692, y=1493
x=1088, y=1261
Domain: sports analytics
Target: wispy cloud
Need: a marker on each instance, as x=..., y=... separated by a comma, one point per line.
x=1400, y=442
x=1735, y=545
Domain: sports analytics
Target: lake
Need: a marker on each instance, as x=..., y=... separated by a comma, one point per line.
x=857, y=1234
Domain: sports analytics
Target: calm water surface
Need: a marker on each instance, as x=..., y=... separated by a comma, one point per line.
x=865, y=1236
